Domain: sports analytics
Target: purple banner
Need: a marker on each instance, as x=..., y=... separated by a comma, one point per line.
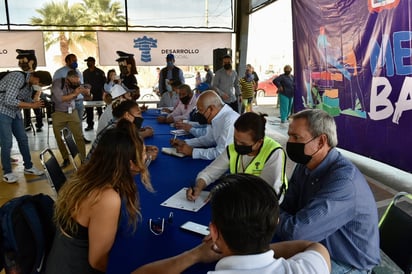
x=353, y=59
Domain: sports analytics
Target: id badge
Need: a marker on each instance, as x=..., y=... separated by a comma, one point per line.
x=70, y=110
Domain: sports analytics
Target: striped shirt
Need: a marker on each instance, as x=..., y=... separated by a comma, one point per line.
x=247, y=88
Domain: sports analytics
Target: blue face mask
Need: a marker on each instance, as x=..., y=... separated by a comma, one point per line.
x=74, y=65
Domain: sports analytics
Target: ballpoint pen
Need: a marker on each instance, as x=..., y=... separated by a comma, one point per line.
x=193, y=192
x=174, y=138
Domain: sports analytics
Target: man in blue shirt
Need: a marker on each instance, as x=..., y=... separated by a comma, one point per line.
x=328, y=200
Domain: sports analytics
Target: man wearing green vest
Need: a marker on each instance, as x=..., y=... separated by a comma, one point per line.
x=252, y=152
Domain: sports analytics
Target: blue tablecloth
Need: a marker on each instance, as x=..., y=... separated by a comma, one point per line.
x=168, y=175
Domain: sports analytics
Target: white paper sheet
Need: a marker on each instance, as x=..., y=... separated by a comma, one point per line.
x=179, y=201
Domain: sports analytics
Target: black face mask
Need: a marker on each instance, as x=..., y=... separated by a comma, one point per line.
x=227, y=66
x=138, y=121
x=296, y=152
x=243, y=150
x=24, y=66
x=124, y=70
x=185, y=100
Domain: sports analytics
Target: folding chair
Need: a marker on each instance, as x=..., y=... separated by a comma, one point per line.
x=71, y=146
x=52, y=169
x=395, y=228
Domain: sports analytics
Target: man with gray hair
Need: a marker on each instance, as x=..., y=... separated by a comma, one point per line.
x=328, y=199
x=211, y=110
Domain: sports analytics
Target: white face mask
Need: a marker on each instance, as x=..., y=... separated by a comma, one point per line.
x=36, y=87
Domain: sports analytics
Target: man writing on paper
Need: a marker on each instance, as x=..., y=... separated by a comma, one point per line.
x=183, y=108
x=245, y=213
x=219, y=134
x=251, y=152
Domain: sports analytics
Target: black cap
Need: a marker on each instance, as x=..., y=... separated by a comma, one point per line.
x=90, y=59
x=123, y=55
x=45, y=78
x=28, y=53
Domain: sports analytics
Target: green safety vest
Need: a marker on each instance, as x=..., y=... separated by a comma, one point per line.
x=256, y=166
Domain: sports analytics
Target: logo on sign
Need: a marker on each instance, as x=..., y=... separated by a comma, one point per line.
x=145, y=44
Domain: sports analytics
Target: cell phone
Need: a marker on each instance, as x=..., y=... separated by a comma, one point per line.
x=196, y=228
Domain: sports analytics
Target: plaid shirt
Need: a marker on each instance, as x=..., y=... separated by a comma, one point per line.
x=14, y=94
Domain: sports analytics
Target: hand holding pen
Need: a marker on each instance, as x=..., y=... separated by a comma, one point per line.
x=192, y=193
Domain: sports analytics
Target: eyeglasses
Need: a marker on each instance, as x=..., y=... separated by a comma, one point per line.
x=157, y=225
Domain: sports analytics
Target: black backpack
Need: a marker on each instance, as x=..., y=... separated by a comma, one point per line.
x=4, y=73
x=26, y=234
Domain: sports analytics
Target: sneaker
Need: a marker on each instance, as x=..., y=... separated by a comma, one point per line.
x=88, y=128
x=10, y=178
x=33, y=171
x=65, y=163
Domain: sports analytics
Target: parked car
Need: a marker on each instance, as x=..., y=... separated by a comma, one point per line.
x=267, y=88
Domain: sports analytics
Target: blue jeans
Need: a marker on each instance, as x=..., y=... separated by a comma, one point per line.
x=285, y=104
x=342, y=268
x=8, y=128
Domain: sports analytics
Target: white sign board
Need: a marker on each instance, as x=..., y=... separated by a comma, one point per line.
x=151, y=48
x=10, y=41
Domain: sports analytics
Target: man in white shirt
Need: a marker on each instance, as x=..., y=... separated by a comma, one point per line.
x=219, y=134
x=245, y=213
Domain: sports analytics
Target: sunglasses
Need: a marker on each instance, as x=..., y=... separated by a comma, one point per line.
x=157, y=225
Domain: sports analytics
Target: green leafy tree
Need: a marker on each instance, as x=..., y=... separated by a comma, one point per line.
x=75, y=24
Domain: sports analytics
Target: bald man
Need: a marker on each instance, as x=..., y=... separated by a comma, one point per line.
x=219, y=134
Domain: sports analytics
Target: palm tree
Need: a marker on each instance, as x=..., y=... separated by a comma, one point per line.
x=80, y=16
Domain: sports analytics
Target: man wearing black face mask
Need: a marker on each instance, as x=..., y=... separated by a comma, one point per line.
x=64, y=92
x=251, y=152
x=187, y=102
x=226, y=84
x=218, y=135
x=96, y=78
x=170, y=72
x=328, y=200
x=129, y=110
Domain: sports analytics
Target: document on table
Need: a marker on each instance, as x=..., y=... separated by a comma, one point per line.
x=179, y=201
x=172, y=151
x=179, y=132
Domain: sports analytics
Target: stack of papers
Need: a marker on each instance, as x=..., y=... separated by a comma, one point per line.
x=172, y=151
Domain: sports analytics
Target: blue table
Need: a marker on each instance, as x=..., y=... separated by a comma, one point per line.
x=168, y=175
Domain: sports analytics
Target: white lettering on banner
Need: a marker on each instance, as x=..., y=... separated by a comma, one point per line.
x=381, y=107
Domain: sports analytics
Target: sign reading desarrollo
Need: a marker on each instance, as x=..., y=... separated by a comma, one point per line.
x=151, y=48
x=10, y=41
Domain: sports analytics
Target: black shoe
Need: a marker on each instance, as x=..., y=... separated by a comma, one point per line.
x=39, y=129
x=88, y=128
x=86, y=141
x=65, y=163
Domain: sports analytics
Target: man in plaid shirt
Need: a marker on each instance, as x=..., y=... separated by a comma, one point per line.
x=15, y=94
